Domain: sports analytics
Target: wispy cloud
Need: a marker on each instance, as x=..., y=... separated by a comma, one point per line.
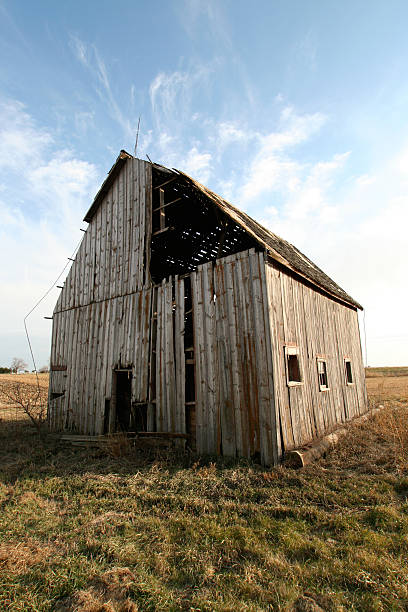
x=305, y=50
x=90, y=58
x=207, y=18
x=193, y=13
x=172, y=94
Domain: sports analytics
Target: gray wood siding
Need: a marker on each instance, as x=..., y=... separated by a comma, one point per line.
x=101, y=320
x=168, y=357
x=110, y=260
x=319, y=327
x=235, y=411
x=91, y=342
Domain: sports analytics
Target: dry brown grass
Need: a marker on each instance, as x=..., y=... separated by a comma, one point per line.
x=117, y=445
x=106, y=593
x=18, y=558
x=29, y=379
x=387, y=388
x=23, y=396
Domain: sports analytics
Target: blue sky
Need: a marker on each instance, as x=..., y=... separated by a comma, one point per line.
x=294, y=111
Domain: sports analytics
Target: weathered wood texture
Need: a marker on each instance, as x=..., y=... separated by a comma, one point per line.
x=235, y=412
x=93, y=341
x=102, y=317
x=320, y=327
x=110, y=260
x=168, y=393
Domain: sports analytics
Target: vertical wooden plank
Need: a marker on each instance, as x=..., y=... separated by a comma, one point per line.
x=136, y=225
x=271, y=408
x=248, y=399
x=160, y=406
x=260, y=331
x=226, y=412
x=210, y=382
x=148, y=222
x=277, y=327
x=146, y=321
x=151, y=408
x=97, y=255
x=198, y=354
x=127, y=223
x=180, y=425
x=142, y=219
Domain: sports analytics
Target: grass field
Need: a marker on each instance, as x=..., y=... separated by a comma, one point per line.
x=83, y=530
x=386, y=372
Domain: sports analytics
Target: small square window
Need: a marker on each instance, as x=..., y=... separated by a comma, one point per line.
x=322, y=375
x=293, y=370
x=348, y=372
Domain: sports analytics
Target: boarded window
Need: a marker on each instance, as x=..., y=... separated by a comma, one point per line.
x=56, y=395
x=348, y=372
x=293, y=369
x=322, y=375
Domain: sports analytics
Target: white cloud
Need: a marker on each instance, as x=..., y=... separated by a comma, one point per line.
x=272, y=168
x=197, y=165
x=21, y=143
x=44, y=194
x=358, y=238
x=229, y=133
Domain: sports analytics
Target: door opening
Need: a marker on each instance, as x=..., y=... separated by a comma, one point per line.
x=123, y=399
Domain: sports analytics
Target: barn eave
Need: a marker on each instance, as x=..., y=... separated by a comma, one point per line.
x=277, y=248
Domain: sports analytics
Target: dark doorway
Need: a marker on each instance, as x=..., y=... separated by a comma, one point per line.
x=139, y=417
x=123, y=399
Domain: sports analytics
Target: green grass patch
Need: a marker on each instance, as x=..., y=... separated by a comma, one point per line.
x=82, y=531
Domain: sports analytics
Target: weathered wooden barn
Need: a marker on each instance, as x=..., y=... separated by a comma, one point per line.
x=181, y=314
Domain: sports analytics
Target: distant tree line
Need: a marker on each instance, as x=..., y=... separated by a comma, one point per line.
x=19, y=365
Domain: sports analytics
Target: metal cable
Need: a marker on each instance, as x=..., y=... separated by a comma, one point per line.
x=38, y=303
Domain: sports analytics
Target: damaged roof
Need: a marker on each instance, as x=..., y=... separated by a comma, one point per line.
x=276, y=247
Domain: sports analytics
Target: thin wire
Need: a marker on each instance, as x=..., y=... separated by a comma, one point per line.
x=365, y=339
x=37, y=304
x=137, y=138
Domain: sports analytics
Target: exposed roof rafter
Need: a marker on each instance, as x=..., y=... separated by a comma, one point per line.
x=277, y=248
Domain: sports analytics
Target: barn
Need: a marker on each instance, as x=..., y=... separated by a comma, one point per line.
x=183, y=316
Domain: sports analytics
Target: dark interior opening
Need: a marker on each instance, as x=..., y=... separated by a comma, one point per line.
x=349, y=374
x=139, y=417
x=190, y=386
x=106, y=416
x=322, y=374
x=293, y=369
x=123, y=399
x=188, y=229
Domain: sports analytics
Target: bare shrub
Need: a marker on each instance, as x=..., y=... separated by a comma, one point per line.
x=32, y=400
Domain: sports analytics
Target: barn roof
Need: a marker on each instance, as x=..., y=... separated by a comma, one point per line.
x=277, y=248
